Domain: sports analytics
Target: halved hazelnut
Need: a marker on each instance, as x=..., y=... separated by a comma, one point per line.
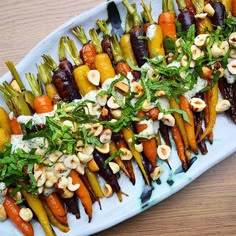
x=197, y=104
x=94, y=77
x=222, y=105
x=196, y=52
x=104, y=149
x=105, y=136
x=126, y=154
x=163, y=151
x=156, y=173
x=232, y=39
x=112, y=103
x=114, y=167
x=201, y=40
x=232, y=67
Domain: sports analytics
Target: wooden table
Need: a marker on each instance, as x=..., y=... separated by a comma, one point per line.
x=205, y=207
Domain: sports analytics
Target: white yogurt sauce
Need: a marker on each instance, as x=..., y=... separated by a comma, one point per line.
x=151, y=31
x=152, y=127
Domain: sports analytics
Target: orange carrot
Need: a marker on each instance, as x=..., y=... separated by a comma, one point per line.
x=12, y=211
x=234, y=8
x=149, y=145
x=15, y=126
x=180, y=146
x=123, y=67
x=43, y=104
x=167, y=19
x=56, y=207
x=190, y=6
x=189, y=127
x=83, y=193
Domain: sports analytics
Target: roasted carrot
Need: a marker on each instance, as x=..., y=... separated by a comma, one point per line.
x=228, y=6
x=88, y=51
x=206, y=113
x=190, y=6
x=121, y=64
x=234, y=8
x=15, y=126
x=117, y=159
x=44, y=74
x=106, y=41
x=128, y=163
x=4, y=120
x=56, y=207
x=149, y=145
x=12, y=211
x=167, y=19
x=164, y=131
x=102, y=61
x=213, y=99
x=155, y=42
x=36, y=205
x=179, y=146
x=125, y=42
x=189, y=127
x=54, y=220
x=139, y=45
x=83, y=194
x=42, y=103
x=80, y=71
x=129, y=137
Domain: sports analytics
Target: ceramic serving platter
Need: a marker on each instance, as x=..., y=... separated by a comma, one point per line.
x=140, y=196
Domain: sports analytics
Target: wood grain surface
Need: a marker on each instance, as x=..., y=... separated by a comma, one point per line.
x=205, y=207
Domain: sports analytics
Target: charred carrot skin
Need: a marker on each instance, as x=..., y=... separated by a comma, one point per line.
x=12, y=211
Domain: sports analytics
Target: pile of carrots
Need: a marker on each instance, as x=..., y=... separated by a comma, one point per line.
x=67, y=81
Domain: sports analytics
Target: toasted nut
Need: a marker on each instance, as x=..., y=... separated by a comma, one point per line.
x=59, y=167
x=105, y=136
x=49, y=184
x=224, y=46
x=15, y=86
x=201, y=40
x=53, y=157
x=184, y=62
x=168, y=119
x=232, y=67
x=80, y=168
x=232, y=53
x=3, y=214
x=217, y=50
x=156, y=173
x=111, y=103
x=196, y=52
x=206, y=72
x=17, y=196
x=26, y=214
x=163, y=151
x=114, y=167
x=197, y=104
x=97, y=129
x=232, y=39
x=40, y=177
x=40, y=190
x=94, y=77
x=72, y=187
x=93, y=109
x=160, y=116
x=116, y=113
x=68, y=123
x=107, y=190
x=102, y=99
x=88, y=150
x=67, y=194
x=160, y=93
x=138, y=89
x=222, y=106
x=178, y=44
x=84, y=158
x=62, y=183
x=104, y=149
x=122, y=86
x=138, y=147
x=200, y=16
x=68, y=108
x=209, y=9
x=146, y=106
x=104, y=112
x=71, y=161
x=126, y=154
